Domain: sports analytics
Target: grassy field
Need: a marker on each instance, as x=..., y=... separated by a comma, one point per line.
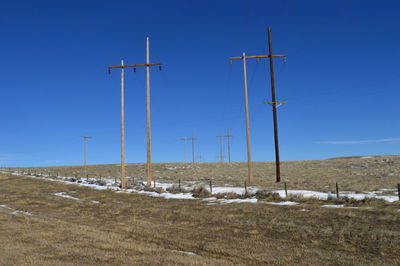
x=354, y=173
x=108, y=228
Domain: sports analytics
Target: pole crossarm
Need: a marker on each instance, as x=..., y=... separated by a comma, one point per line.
x=274, y=102
x=257, y=56
x=137, y=65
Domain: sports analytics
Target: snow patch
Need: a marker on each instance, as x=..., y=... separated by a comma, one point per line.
x=64, y=195
x=333, y=206
x=20, y=212
x=185, y=252
x=227, y=201
x=283, y=203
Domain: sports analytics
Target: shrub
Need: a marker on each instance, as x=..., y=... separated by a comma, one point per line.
x=200, y=192
x=265, y=194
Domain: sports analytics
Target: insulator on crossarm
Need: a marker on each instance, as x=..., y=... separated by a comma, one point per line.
x=285, y=60
x=160, y=67
x=109, y=71
x=134, y=69
x=258, y=60
x=230, y=62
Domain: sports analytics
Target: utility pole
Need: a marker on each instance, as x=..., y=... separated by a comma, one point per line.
x=148, y=114
x=250, y=179
x=228, y=136
x=274, y=103
x=221, y=153
x=193, y=139
x=85, y=140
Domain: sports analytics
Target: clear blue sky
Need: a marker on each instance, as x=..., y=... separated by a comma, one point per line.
x=341, y=81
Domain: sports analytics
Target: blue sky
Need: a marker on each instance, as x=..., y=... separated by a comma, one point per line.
x=341, y=80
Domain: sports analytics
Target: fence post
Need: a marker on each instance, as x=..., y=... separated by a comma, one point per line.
x=210, y=186
x=285, y=189
x=154, y=182
x=337, y=190
x=179, y=181
x=245, y=188
x=398, y=190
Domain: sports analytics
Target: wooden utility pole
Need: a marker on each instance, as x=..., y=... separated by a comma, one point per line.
x=246, y=99
x=148, y=114
x=274, y=103
x=149, y=174
x=123, y=174
x=221, y=153
x=85, y=140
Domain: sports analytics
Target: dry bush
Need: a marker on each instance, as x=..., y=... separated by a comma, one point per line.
x=152, y=189
x=356, y=202
x=200, y=192
x=230, y=196
x=174, y=189
x=268, y=195
x=101, y=182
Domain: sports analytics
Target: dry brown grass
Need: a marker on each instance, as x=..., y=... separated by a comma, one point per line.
x=356, y=174
x=132, y=229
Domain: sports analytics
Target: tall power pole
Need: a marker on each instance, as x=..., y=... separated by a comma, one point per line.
x=274, y=106
x=123, y=174
x=148, y=114
x=148, y=120
x=274, y=103
x=85, y=140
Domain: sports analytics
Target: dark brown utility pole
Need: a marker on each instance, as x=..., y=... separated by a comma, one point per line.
x=274, y=106
x=274, y=103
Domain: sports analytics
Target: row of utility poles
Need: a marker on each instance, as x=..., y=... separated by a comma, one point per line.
x=193, y=139
x=274, y=103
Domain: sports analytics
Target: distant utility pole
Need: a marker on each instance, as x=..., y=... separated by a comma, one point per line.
x=221, y=152
x=193, y=139
x=274, y=103
x=148, y=113
x=85, y=140
x=185, y=148
x=228, y=136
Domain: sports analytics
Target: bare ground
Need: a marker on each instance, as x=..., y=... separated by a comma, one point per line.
x=131, y=229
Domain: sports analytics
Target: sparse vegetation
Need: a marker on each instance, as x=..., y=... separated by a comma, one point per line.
x=355, y=173
x=122, y=228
